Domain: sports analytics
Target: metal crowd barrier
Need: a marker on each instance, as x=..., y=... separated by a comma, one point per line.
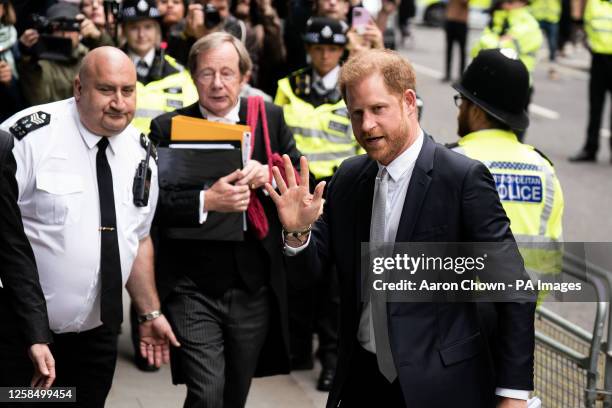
x=573, y=367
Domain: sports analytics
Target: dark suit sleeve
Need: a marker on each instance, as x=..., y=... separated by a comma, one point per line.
x=18, y=272
x=174, y=208
x=486, y=221
x=286, y=142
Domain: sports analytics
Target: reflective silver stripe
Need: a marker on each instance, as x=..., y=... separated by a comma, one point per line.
x=318, y=157
x=538, y=241
x=549, y=181
x=148, y=113
x=321, y=134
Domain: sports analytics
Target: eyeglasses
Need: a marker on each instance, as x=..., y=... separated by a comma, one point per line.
x=458, y=98
x=206, y=76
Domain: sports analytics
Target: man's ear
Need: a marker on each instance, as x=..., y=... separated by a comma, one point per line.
x=409, y=98
x=476, y=114
x=77, y=88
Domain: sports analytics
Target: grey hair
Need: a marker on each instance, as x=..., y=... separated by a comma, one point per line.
x=216, y=40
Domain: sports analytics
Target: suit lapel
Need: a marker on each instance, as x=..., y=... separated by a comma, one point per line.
x=192, y=110
x=364, y=193
x=417, y=189
x=242, y=112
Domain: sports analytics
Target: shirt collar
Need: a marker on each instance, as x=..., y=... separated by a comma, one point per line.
x=90, y=138
x=148, y=58
x=406, y=160
x=231, y=117
x=330, y=80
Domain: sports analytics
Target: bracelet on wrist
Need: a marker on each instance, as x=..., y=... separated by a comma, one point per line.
x=149, y=316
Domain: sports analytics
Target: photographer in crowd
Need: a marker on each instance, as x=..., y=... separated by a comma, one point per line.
x=51, y=55
x=173, y=16
x=93, y=24
x=11, y=99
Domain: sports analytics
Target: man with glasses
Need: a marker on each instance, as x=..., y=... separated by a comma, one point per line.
x=226, y=299
x=491, y=103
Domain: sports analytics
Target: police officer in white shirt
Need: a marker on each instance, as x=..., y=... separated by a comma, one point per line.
x=76, y=162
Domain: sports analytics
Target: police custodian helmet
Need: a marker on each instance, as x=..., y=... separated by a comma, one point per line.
x=134, y=10
x=325, y=30
x=498, y=82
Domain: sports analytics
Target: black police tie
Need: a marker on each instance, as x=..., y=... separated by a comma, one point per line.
x=142, y=69
x=111, y=308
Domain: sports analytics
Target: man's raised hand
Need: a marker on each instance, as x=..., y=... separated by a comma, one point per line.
x=297, y=208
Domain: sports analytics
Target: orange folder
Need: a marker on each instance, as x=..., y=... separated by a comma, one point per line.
x=188, y=129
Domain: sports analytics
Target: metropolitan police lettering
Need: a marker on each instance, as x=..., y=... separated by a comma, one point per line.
x=515, y=187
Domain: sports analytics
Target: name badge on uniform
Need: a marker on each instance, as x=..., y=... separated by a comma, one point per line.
x=175, y=90
x=519, y=188
x=338, y=127
x=173, y=103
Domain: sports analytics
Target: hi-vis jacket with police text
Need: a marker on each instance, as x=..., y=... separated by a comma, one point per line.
x=598, y=25
x=516, y=29
x=173, y=89
x=528, y=190
x=323, y=133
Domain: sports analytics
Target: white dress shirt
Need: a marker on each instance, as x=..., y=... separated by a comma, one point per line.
x=148, y=58
x=60, y=207
x=330, y=80
x=400, y=171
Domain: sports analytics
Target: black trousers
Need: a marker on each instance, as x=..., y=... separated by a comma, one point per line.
x=367, y=387
x=600, y=84
x=83, y=360
x=315, y=310
x=456, y=32
x=221, y=339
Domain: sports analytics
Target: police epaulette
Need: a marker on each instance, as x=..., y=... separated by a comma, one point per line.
x=29, y=123
x=544, y=156
x=144, y=142
x=451, y=145
x=300, y=81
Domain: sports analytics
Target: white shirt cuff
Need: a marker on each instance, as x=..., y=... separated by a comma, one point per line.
x=203, y=214
x=509, y=393
x=291, y=251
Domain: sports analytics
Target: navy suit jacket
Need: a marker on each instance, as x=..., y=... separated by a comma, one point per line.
x=443, y=354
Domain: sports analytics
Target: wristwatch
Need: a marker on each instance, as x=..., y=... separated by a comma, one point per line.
x=149, y=316
x=300, y=236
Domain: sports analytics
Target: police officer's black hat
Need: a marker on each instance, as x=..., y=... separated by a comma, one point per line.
x=498, y=82
x=134, y=10
x=325, y=30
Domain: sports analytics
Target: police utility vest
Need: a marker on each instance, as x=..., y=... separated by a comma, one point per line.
x=598, y=25
x=170, y=88
x=528, y=190
x=546, y=10
x=320, y=125
x=521, y=26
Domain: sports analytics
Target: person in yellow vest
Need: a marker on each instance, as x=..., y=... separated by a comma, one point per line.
x=163, y=84
x=491, y=103
x=513, y=26
x=598, y=27
x=312, y=104
x=318, y=117
x=548, y=14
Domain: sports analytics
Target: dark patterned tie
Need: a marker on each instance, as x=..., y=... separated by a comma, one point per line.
x=111, y=309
